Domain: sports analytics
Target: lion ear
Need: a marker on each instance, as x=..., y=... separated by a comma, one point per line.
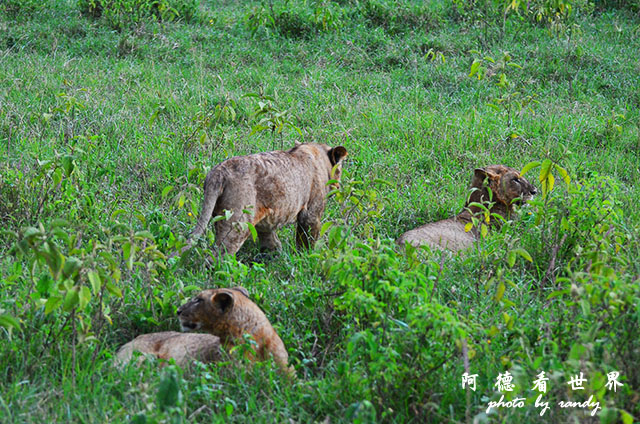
x=223, y=300
x=337, y=154
x=479, y=174
x=241, y=290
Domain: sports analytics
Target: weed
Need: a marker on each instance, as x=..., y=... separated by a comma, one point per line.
x=109, y=122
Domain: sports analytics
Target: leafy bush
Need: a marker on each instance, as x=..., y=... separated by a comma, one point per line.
x=295, y=20
x=398, y=339
x=397, y=336
x=558, y=15
x=632, y=5
x=586, y=255
x=15, y=8
x=120, y=14
x=400, y=17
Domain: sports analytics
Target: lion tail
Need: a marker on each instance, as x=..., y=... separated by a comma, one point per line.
x=213, y=186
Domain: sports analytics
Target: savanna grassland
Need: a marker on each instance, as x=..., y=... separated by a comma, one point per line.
x=112, y=112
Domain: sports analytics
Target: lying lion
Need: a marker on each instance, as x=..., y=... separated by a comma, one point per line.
x=225, y=315
x=269, y=190
x=508, y=188
x=183, y=348
x=229, y=314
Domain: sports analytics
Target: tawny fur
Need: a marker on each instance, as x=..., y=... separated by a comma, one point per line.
x=277, y=188
x=508, y=189
x=184, y=348
x=229, y=314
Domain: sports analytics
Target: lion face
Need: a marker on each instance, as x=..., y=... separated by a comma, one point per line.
x=336, y=156
x=507, y=185
x=209, y=309
x=516, y=189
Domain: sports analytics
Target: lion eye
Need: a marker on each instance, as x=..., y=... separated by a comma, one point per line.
x=198, y=299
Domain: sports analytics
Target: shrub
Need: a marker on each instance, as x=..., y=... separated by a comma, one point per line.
x=586, y=255
x=400, y=17
x=120, y=14
x=398, y=339
x=15, y=8
x=295, y=20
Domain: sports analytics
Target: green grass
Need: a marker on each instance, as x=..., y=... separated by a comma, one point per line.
x=127, y=107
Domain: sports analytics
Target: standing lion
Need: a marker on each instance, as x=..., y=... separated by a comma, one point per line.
x=269, y=190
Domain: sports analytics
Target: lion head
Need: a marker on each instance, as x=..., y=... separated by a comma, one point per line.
x=506, y=184
x=209, y=310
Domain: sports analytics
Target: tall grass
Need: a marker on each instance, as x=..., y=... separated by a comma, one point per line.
x=108, y=124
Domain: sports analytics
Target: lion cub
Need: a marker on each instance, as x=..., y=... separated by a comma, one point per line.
x=269, y=190
x=508, y=188
x=184, y=348
x=229, y=314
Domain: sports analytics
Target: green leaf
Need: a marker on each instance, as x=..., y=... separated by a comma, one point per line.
x=45, y=164
x=325, y=227
x=94, y=279
x=55, y=259
x=577, y=352
x=558, y=293
x=166, y=190
x=70, y=300
x=500, y=291
x=84, y=297
x=128, y=252
x=511, y=258
x=626, y=417
x=68, y=165
x=608, y=416
x=484, y=230
x=71, y=267
x=252, y=230
x=7, y=321
x=139, y=419
x=181, y=201
x=550, y=182
x=229, y=406
x=144, y=234
x=529, y=167
x=474, y=68
x=57, y=177
x=520, y=251
x=545, y=170
x=298, y=130
x=168, y=391
x=58, y=222
x=108, y=257
x=113, y=289
x=117, y=212
x=508, y=303
x=563, y=173
x=52, y=304
x=508, y=320
x=217, y=218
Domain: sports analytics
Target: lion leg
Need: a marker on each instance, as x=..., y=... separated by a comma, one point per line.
x=230, y=236
x=269, y=240
x=307, y=230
